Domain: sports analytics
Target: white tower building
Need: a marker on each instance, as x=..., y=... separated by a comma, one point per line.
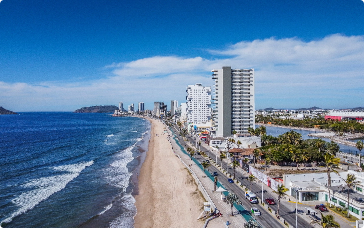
x=174, y=107
x=198, y=104
x=234, y=100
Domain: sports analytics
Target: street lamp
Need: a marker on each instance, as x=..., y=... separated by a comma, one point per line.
x=262, y=192
x=296, y=206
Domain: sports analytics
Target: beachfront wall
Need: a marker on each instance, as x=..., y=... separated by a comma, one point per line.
x=267, y=180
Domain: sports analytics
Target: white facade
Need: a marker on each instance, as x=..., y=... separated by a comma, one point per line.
x=131, y=108
x=198, y=104
x=174, y=106
x=234, y=100
x=183, y=110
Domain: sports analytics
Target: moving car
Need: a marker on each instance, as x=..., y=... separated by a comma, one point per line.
x=251, y=197
x=270, y=201
x=321, y=207
x=231, y=180
x=216, y=174
x=255, y=211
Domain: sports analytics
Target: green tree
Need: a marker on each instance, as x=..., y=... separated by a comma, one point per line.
x=238, y=143
x=359, y=145
x=222, y=156
x=330, y=162
x=232, y=198
x=235, y=163
x=328, y=221
x=281, y=191
x=256, y=153
x=251, y=179
x=191, y=152
x=350, y=182
x=205, y=165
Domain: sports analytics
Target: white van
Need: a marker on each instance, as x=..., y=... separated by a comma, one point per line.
x=251, y=197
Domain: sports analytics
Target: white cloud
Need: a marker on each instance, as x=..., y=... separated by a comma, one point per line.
x=289, y=73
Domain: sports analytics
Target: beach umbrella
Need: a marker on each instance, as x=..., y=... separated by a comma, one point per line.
x=221, y=190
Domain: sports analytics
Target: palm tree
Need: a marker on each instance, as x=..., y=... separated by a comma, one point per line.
x=251, y=178
x=238, y=143
x=350, y=182
x=256, y=153
x=281, y=191
x=329, y=222
x=191, y=152
x=359, y=145
x=232, y=198
x=222, y=156
x=235, y=163
x=330, y=161
x=205, y=165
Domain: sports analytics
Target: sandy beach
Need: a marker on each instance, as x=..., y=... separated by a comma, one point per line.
x=168, y=195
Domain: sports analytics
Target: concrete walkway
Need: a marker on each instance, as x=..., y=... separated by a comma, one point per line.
x=236, y=220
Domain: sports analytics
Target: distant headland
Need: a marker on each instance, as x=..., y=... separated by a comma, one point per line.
x=4, y=111
x=97, y=109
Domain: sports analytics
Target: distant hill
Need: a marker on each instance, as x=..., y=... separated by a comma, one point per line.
x=4, y=111
x=98, y=109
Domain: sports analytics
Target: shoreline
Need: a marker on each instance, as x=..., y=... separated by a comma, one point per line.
x=166, y=190
x=344, y=139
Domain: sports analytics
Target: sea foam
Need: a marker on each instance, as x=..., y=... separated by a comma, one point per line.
x=43, y=188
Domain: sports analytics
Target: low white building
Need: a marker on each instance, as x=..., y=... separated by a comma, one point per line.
x=313, y=187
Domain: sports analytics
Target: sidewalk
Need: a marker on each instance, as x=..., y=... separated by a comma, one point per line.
x=236, y=220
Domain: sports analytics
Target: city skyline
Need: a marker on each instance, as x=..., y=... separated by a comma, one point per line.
x=63, y=55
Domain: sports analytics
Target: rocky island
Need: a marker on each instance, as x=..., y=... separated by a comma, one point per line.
x=97, y=109
x=4, y=111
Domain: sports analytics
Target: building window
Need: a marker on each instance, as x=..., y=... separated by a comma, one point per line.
x=342, y=204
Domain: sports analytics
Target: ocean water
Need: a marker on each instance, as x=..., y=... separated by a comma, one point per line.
x=70, y=169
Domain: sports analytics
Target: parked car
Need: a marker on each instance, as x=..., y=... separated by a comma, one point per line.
x=321, y=207
x=270, y=201
x=216, y=174
x=255, y=211
x=231, y=180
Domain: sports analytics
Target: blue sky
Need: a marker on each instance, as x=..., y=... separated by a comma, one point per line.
x=63, y=55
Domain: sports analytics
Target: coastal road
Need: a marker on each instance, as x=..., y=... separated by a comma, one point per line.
x=284, y=211
x=266, y=219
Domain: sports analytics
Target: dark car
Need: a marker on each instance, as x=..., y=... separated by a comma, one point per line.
x=215, y=174
x=321, y=207
x=231, y=180
x=270, y=201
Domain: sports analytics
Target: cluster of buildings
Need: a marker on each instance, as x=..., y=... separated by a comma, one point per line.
x=221, y=116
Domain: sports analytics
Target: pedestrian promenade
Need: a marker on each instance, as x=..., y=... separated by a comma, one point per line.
x=234, y=221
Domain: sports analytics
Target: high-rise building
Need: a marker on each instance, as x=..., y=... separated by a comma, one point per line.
x=131, y=108
x=121, y=108
x=198, y=104
x=174, y=107
x=234, y=100
x=159, y=109
x=141, y=107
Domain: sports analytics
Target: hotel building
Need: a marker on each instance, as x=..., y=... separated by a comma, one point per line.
x=198, y=104
x=234, y=101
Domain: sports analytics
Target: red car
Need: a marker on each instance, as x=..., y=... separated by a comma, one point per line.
x=270, y=201
x=321, y=207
